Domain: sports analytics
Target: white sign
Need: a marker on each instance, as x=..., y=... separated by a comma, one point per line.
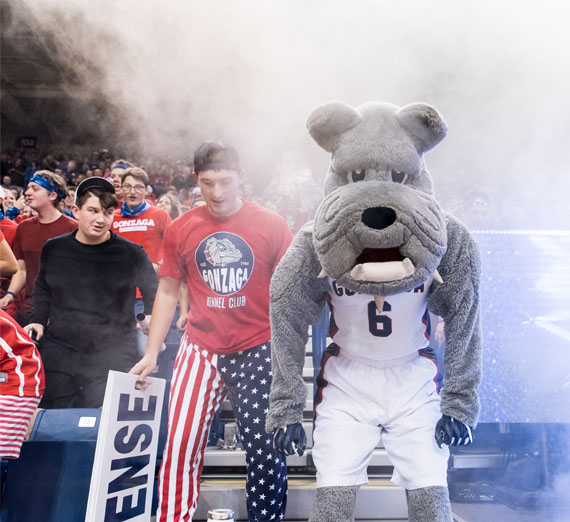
x=125, y=456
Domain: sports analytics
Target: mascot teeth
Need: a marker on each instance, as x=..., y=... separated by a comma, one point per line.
x=437, y=277
x=322, y=273
x=383, y=272
x=379, y=300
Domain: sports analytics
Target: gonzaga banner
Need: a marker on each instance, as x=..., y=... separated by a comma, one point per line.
x=125, y=456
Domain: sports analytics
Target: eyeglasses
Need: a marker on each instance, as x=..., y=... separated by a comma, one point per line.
x=138, y=188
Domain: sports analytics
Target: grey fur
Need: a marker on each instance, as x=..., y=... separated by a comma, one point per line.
x=457, y=302
x=340, y=236
x=378, y=138
x=429, y=505
x=297, y=299
x=329, y=121
x=334, y=504
x=424, y=123
x=378, y=142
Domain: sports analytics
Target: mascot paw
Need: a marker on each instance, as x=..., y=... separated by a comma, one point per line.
x=452, y=432
x=291, y=439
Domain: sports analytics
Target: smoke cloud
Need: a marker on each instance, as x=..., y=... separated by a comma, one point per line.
x=171, y=74
x=178, y=72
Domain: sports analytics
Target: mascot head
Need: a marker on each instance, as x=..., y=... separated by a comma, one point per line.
x=379, y=230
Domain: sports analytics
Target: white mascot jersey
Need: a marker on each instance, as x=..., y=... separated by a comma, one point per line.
x=362, y=332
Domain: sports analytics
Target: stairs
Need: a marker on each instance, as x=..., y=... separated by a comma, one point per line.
x=379, y=500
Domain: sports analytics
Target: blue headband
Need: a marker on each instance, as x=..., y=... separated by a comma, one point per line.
x=46, y=183
x=121, y=165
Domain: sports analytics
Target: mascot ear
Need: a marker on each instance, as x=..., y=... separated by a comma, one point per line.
x=330, y=120
x=424, y=123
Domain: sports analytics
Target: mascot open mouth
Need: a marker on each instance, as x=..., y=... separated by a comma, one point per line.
x=381, y=265
x=379, y=255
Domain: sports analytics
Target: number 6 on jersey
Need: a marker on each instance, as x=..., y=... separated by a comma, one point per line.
x=379, y=325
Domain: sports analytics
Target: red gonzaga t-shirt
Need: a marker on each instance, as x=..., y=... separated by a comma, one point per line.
x=228, y=263
x=146, y=229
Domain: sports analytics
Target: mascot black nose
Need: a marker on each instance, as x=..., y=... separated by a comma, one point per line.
x=378, y=217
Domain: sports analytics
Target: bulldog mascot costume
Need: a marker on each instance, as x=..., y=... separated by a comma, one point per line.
x=383, y=254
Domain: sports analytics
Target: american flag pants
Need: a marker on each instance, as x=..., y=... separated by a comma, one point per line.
x=200, y=382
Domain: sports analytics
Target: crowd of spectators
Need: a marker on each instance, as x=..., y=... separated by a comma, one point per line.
x=168, y=177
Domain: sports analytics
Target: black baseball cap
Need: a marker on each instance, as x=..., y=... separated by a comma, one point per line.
x=97, y=182
x=216, y=155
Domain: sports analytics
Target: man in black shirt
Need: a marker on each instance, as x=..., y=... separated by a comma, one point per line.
x=83, y=301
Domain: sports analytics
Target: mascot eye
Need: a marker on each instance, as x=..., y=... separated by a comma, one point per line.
x=356, y=175
x=399, y=177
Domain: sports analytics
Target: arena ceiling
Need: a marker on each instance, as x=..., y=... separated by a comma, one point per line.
x=28, y=67
x=40, y=95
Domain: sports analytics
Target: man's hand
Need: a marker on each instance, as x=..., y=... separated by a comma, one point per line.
x=452, y=432
x=35, y=331
x=291, y=439
x=145, y=366
x=20, y=203
x=181, y=322
x=5, y=301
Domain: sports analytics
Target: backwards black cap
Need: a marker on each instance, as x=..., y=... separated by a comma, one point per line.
x=94, y=182
x=216, y=155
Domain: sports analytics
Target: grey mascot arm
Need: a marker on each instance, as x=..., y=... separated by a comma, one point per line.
x=297, y=300
x=457, y=302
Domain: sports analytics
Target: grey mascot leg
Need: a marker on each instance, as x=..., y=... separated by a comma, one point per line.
x=334, y=504
x=429, y=505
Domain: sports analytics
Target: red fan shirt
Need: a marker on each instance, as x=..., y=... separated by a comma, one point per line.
x=147, y=230
x=28, y=242
x=20, y=360
x=227, y=263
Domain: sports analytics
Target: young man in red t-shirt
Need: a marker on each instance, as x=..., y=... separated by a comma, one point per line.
x=226, y=251
x=136, y=219
x=140, y=222
x=44, y=193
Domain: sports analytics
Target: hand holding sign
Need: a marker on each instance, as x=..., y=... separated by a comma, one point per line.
x=143, y=368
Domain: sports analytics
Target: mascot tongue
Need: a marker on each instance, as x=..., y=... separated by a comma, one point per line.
x=380, y=265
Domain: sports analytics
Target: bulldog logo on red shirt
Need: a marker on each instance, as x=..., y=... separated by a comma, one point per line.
x=221, y=252
x=225, y=262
